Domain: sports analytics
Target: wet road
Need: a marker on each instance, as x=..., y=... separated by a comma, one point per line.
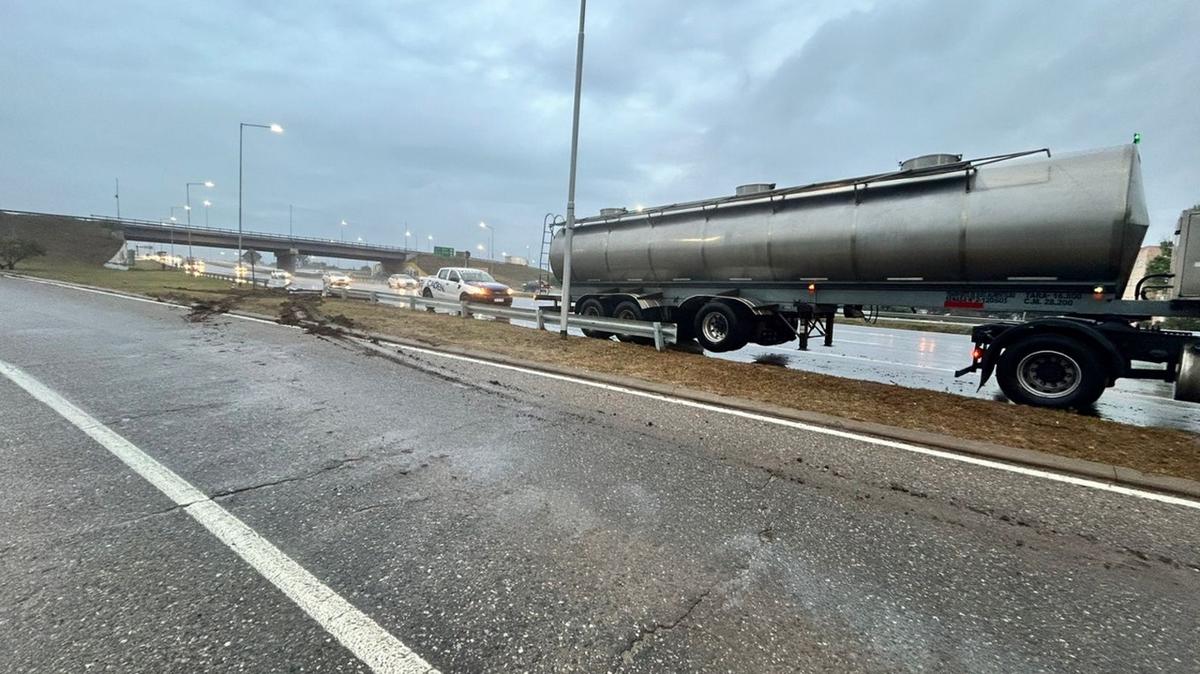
x=925, y=360
x=495, y=520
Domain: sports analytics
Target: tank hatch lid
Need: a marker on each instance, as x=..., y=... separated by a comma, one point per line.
x=754, y=188
x=929, y=160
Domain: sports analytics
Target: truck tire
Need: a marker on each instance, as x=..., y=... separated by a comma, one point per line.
x=592, y=308
x=631, y=311
x=719, y=327
x=1187, y=382
x=1051, y=371
x=427, y=293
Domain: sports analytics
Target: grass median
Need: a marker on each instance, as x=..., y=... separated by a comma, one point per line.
x=1152, y=450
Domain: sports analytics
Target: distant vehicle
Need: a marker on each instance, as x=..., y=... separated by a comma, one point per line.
x=402, y=282
x=536, y=286
x=193, y=265
x=280, y=279
x=335, y=279
x=465, y=284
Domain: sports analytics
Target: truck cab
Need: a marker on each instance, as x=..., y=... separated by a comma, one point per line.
x=465, y=284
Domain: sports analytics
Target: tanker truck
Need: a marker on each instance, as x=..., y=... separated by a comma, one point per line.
x=1025, y=233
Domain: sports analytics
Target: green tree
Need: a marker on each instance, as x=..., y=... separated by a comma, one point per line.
x=1161, y=263
x=13, y=250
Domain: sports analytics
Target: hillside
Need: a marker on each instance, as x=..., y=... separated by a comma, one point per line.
x=65, y=238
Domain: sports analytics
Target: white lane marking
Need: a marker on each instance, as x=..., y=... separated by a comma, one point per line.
x=1032, y=472
x=174, y=305
x=916, y=449
x=362, y=636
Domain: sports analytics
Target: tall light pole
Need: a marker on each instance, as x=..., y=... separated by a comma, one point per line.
x=342, y=230
x=431, y=243
x=117, y=196
x=290, y=236
x=407, y=233
x=492, y=248
x=172, y=231
x=570, y=226
x=207, y=205
x=273, y=128
x=187, y=206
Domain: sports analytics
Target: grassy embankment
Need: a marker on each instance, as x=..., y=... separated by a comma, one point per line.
x=1154, y=450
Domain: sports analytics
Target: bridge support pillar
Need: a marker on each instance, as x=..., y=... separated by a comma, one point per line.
x=286, y=259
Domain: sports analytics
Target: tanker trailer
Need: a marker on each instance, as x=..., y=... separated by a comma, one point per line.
x=1013, y=233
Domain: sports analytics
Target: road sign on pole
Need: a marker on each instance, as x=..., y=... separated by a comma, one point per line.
x=443, y=251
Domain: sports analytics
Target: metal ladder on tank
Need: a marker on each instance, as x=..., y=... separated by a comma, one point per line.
x=548, y=224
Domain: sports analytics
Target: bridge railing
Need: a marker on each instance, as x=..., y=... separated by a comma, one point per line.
x=183, y=227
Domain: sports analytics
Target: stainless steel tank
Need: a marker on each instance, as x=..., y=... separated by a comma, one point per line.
x=1076, y=217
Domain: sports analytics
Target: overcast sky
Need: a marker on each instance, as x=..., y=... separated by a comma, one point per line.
x=443, y=114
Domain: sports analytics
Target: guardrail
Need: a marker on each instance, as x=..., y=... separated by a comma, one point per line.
x=662, y=333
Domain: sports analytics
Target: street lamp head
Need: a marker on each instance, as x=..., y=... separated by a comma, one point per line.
x=344, y=223
x=407, y=233
x=172, y=218
x=209, y=183
x=479, y=246
x=207, y=203
x=275, y=128
x=186, y=207
x=483, y=225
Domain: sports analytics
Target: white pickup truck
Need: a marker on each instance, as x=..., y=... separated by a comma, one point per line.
x=465, y=283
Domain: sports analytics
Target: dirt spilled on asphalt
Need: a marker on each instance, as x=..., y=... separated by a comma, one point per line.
x=203, y=310
x=306, y=313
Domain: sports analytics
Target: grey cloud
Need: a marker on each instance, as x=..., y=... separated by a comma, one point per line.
x=442, y=114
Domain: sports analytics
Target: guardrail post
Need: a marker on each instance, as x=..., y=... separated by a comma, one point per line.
x=343, y=293
x=659, y=342
x=541, y=319
x=463, y=311
x=375, y=296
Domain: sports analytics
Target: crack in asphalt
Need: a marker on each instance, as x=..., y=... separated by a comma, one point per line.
x=638, y=642
x=329, y=465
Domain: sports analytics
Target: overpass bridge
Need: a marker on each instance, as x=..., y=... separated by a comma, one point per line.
x=285, y=248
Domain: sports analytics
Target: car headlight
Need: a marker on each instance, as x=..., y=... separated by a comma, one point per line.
x=508, y=291
x=475, y=290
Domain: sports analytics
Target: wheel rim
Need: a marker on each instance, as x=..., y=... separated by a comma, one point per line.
x=627, y=315
x=715, y=327
x=591, y=310
x=1049, y=374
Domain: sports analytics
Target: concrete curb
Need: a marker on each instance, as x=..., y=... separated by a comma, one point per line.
x=1117, y=475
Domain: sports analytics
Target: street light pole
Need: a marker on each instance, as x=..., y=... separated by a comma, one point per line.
x=273, y=128
x=570, y=226
x=188, y=207
x=407, y=233
x=492, y=248
x=430, y=243
x=207, y=204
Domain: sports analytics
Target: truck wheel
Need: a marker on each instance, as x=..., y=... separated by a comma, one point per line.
x=1051, y=371
x=427, y=293
x=1187, y=382
x=631, y=311
x=719, y=328
x=592, y=308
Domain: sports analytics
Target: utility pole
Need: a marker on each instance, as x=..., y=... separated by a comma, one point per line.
x=117, y=196
x=570, y=226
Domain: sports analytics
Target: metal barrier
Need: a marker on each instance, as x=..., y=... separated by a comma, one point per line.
x=662, y=333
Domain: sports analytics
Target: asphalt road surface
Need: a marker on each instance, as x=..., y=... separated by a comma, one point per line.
x=496, y=520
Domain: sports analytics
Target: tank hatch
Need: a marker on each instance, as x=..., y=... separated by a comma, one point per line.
x=754, y=188
x=929, y=160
